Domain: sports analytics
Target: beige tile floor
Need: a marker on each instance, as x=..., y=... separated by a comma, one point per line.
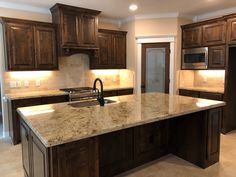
x=168, y=166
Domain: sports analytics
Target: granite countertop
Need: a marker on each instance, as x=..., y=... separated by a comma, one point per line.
x=34, y=94
x=61, y=123
x=205, y=89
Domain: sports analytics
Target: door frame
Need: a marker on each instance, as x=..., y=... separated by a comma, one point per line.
x=165, y=45
x=155, y=39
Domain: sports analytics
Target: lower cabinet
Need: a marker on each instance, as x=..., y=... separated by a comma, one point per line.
x=14, y=119
x=151, y=141
x=200, y=94
x=118, y=92
x=115, y=152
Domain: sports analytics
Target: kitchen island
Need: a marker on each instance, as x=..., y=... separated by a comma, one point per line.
x=67, y=140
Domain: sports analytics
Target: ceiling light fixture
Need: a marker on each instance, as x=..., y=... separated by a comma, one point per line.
x=133, y=7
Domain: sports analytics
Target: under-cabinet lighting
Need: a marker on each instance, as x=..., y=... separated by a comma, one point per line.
x=30, y=74
x=106, y=72
x=212, y=73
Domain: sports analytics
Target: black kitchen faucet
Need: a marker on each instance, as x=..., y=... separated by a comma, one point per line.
x=100, y=97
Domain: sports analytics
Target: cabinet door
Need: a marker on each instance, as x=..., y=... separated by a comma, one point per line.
x=45, y=48
x=70, y=30
x=88, y=31
x=15, y=118
x=214, y=34
x=110, y=93
x=116, y=152
x=78, y=159
x=20, y=48
x=192, y=37
x=213, y=135
x=232, y=31
x=25, y=148
x=150, y=141
x=190, y=93
x=119, y=51
x=104, y=44
x=125, y=92
x=217, y=57
x=39, y=159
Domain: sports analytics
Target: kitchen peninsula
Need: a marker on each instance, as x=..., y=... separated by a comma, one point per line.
x=65, y=140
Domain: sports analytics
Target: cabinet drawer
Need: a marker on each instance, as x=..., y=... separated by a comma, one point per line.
x=211, y=96
x=110, y=93
x=190, y=93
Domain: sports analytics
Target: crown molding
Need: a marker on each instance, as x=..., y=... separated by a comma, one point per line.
x=109, y=20
x=214, y=14
x=24, y=7
x=150, y=16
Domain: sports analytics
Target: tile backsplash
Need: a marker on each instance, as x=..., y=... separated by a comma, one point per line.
x=202, y=78
x=73, y=72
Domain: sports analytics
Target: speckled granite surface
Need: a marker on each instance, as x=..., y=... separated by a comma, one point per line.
x=205, y=89
x=61, y=123
x=35, y=94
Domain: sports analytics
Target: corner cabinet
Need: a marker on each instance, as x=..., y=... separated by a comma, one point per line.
x=77, y=27
x=29, y=45
x=112, y=50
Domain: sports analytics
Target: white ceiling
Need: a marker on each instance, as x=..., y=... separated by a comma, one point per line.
x=118, y=9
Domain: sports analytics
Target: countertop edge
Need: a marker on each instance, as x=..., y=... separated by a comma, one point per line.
x=47, y=145
x=202, y=90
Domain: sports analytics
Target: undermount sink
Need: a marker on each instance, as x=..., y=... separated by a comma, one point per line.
x=90, y=103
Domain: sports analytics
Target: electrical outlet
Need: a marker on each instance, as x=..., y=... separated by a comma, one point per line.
x=37, y=83
x=26, y=83
x=19, y=84
x=12, y=84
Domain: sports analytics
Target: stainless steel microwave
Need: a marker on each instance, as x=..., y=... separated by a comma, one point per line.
x=195, y=58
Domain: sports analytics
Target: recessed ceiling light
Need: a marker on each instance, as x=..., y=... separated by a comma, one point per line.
x=133, y=7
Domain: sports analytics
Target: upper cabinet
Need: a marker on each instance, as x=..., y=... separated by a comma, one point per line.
x=112, y=50
x=77, y=27
x=191, y=36
x=214, y=33
x=29, y=45
x=232, y=30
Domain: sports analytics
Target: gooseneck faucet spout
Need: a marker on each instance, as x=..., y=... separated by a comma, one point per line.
x=100, y=97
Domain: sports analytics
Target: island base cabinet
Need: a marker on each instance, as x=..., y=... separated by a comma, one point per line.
x=196, y=137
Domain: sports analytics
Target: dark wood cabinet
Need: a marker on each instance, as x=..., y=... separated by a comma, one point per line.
x=25, y=148
x=45, y=48
x=19, y=40
x=214, y=34
x=211, y=96
x=190, y=93
x=115, y=152
x=201, y=94
x=29, y=45
x=217, y=57
x=14, y=120
x=112, y=50
x=151, y=141
x=213, y=129
x=232, y=31
x=77, y=27
x=118, y=92
x=191, y=36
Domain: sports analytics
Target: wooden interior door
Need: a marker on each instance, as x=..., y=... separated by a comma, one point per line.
x=155, y=67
